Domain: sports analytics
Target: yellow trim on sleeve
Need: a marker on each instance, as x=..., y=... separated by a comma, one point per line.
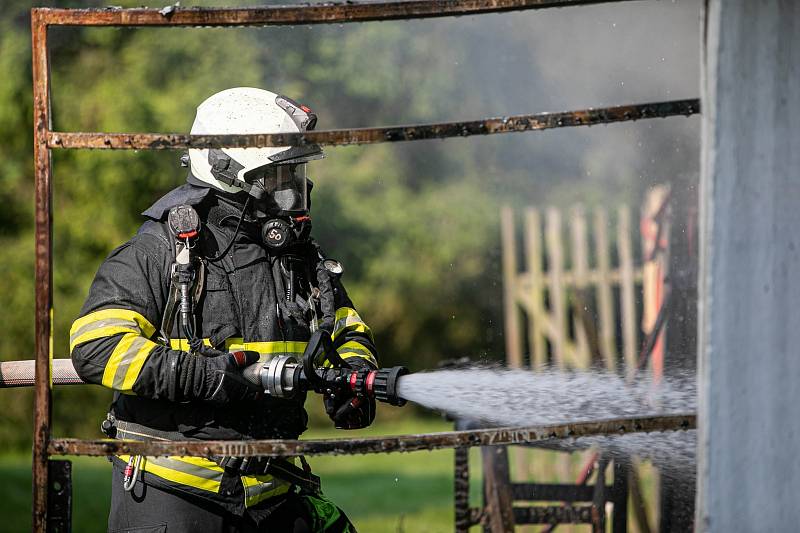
x=348, y=319
x=123, y=314
x=107, y=323
x=126, y=362
x=356, y=349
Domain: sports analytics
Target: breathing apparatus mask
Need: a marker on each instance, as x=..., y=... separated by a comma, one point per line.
x=284, y=205
x=273, y=177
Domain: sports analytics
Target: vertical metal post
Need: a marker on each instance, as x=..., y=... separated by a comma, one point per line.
x=619, y=494
x=599, y=497
x=43, y=270
x=749, y=288
x=498, y=500
x=59, y=504
x=461, y=490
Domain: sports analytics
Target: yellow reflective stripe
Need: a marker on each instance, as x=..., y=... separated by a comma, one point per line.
x=183, y=344
x=348, y=319
x=103, y=329
x=126, y=361
x=204, y=474
x=356, y=349
x=237, y=343
x=108, y=322
x=273, y=347
x=135, y=365
x=259, y=488
x=195, y=472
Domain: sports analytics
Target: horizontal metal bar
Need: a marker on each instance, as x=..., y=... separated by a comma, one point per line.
x=403, y=443
x=518, y=123
x=320, y=13
x=553, y=492
x=554, y=514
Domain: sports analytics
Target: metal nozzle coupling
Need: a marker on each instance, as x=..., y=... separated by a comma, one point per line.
x=280, y=377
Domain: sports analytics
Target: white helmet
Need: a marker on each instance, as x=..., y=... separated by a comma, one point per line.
x=261, y=172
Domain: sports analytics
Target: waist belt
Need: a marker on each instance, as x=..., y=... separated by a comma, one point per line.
x=274, y=466
x=243, y=466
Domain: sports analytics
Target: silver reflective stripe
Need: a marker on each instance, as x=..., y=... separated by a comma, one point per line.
x=186, y=468
x=254, y=491
x=342, y=323
x=103, y=323
x=359, y=351
x=133, y=351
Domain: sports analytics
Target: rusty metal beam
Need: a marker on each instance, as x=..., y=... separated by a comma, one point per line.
x=517, y=123
x=403, y=443
x=322, y=13
x=43, y=268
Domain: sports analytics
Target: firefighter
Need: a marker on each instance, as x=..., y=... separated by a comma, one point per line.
x=222, y=273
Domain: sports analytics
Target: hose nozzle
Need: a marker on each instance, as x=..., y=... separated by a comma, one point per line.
x=380, y=384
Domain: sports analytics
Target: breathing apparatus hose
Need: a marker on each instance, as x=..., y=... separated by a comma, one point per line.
x=235, y=234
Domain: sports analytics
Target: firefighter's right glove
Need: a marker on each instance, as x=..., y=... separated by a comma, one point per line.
x=216, y=376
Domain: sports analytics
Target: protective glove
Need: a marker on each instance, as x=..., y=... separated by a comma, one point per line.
x=350, y=412
x=216, y=376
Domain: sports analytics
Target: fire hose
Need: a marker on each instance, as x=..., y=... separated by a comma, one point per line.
x=321, y=370
x=22, y=373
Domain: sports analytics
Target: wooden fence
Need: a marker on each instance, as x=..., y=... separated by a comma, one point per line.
x=579, y=296
x=577, y=293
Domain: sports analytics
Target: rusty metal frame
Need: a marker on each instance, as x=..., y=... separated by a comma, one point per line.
x=324, y=13
x=46, y=139
x=402, y=443
x=417, y=132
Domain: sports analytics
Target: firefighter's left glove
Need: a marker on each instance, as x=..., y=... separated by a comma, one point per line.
x=350, y=413
x=217, y=375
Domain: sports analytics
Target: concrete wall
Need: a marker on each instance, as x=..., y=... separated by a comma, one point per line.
x=749, y=345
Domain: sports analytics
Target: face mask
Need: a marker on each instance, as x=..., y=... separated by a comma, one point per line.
x=284, y=189
x=285, y=204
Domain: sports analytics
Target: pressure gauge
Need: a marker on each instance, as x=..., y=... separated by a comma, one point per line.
x=333, y=266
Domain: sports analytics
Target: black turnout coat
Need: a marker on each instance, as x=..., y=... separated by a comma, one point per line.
x=242, y=305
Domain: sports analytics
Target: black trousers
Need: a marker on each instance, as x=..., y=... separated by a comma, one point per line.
x=147, y=509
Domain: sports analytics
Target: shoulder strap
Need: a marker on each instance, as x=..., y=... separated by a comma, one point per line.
x=183, y=256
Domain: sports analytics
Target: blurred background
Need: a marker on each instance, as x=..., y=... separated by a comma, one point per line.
x=416, y=225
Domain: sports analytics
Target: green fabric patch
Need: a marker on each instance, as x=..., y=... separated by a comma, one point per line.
x=326, y=516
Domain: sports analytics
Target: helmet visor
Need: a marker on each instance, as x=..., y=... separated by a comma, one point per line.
x=284, y=187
